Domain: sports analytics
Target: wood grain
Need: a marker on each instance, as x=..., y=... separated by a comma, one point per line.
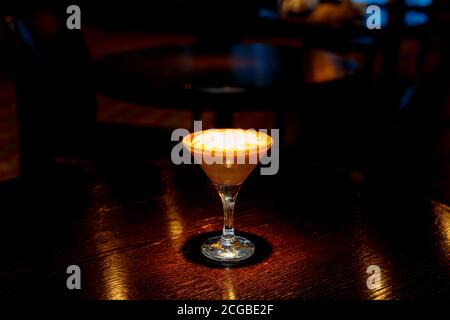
x=135, y=232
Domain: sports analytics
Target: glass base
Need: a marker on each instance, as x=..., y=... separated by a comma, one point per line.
x=228, y=250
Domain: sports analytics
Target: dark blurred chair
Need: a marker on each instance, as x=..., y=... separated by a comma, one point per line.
x=54, y=87
x=410, y=158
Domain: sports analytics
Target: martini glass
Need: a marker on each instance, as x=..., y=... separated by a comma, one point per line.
x=228, y=156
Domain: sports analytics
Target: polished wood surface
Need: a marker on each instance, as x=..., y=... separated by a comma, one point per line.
x=134, y=226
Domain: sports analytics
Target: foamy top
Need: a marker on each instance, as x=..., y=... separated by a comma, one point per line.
x=228, y=141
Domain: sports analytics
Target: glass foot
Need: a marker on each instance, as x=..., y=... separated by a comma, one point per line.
x=228, y=250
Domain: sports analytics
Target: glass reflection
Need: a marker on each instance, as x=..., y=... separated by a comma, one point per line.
x=258, y=64
x=229, y=292
x=114, y=277
x=442, y=219
x=112, y=268
x=324, y=67
x=170, y=204
x=371, y=257
x=368, y=255
x=415, y=18
x=369, y=2
x=418, y=3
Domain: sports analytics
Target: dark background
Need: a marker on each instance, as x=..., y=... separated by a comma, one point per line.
x=86, y=177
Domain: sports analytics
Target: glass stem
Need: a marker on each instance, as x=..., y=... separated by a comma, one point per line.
x=228, y=194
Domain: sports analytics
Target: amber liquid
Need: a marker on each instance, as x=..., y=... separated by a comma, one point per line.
x=228, y=174
x=234, y=166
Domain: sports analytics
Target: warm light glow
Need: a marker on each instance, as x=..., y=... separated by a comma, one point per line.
x=442, y=216
x=228, y=155
x=114, y=271
x=170, y=205
x=370, y=254
x=229, y=291
x=229, y=141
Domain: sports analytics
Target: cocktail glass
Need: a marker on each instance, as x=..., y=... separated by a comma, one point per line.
x=228, y=156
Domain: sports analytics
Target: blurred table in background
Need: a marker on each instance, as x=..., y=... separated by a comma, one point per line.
x=248, y=76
